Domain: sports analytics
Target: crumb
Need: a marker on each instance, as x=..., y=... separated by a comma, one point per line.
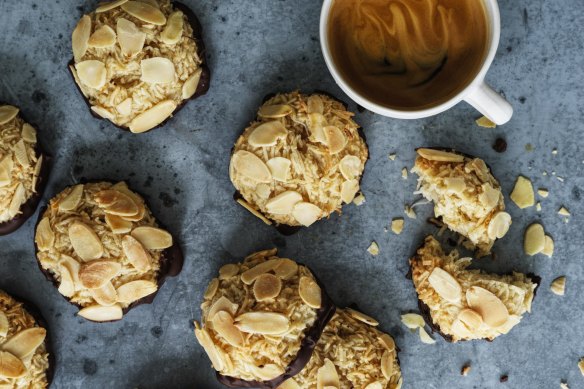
x=465, y=370
x=538, y=207
x=554, y=151
x=544, y=193
x=544, y=173
x=485, y=122
x=392, y=156
x=409, y=211
x=373, y=249
x=561, y=179
x=359, y=199
x=397, y=225
x=504, y=378
x=405, y=173
x=564, y=211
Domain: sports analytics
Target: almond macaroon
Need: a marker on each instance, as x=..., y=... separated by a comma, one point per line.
x=351, y=353
x=103, y=249
x=25, y=358
x=466, y=196
x=24, y=169
x=137, y=62
x=299, y=161
x=463, y=304
x=261, y=319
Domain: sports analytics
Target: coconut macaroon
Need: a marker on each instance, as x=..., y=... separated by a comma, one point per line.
x=137, y=62
x=351, y=353
x=466, y=196
x=101, y=245
x=24, y=347
x=23, y=170
x=261, y=319
x=299, y=161
x=463, y=304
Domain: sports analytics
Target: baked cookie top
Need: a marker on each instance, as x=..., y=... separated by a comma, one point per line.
x=300, y=160
x=351, y=353
x=468, y=304
x=20, y=162
x=465, y=194
x=24, y=358
x=256, y=314
x=102, y=245
x=136, y=61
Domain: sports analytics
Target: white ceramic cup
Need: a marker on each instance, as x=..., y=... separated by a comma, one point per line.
x=477, y=93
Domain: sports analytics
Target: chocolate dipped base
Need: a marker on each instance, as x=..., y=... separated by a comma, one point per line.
x=204, y=82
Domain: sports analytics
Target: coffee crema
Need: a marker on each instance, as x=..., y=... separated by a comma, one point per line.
x=408, y=54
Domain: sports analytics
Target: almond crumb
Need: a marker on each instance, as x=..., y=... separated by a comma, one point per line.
x=465, y=370
x=359, y=199
x=558, y=286
x=564, y=211
x=397, y=225
x=581, y=365
x=409, y=211
x=522, y=194
x=554, y=151
x=564, y=385
x=544, y=193
x=392, y=157
x=538, y=207
x=373, y=249
x=405, y=173
x=485, y=122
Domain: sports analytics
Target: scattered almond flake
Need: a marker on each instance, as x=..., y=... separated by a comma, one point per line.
x=485, y=122
x=558, y=286
x=424, y=337
x=538, y=207
x=465, y=370
x=534, y=241
x=359, y=199
x=564, y=211
x=253, y=211
x=397, y=225
x=413, y=320
x=405, y=173
x=373, y=249
x=554, y=151
x=581, y=365
x=522, y=194
x=561, y=179
x=544, y=193
x=392, y=157
x=409, y=211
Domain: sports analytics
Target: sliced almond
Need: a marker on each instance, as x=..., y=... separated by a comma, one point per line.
x=349, y=190
x=211, y=289
x=66, y=286
x=106, y=6
x=558, y=286
x=286, y=268
x=4, y=324
x=266, y=287
x=25, y=342
x=251, y=166
x=7, y=113
x=227, y=271
x=489, y=196
x=11, y=367
x=316, y=124
x=135, y=290
x=534, y=240
x=284, y=203
x=157, y=70
x=499, y=225
x=72, y=267
x=29, y=134
x=223, y=325
x=191, y=84
x=152, y=238
x=105, y=296
x=387, y=342
x=280, y=168
x=249, y=276
x=254, y=211
x=548, y=247
x=6, y=166
x=20, y=153
x=18, y=199
x=222, y=304
x=335, y=139
x=439, y=155
x=80, y=37
x=275, y=111
x=315, y=104
x=117, y=224
x=145, y=12
x=96, y=274
x=85, y=241
x=99, y=313
x=37, y=173
x=360, y=316
x=136, y=254
x=154, y=116
x=130, y=37
x=72, y=200
x=174, y=28
x=306, y=213
x=413, y=320
x=265, y=323
x=116, y=203
x=290, y=383
x=376, y=384
x=350, y=167
x=139, y=201
x=92, y=73
x=387, y=365
x=445, y=285
x=125, y=107
x=327, y=376
x=466, y=324
x=310, y=292
x=424, y=337
x=206, y=342
x=522, y=194
x=103, y=37
x=267, y=134
x=489, y=306
x=44, y=236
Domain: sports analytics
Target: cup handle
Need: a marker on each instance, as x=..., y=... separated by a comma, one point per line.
x=490, y=103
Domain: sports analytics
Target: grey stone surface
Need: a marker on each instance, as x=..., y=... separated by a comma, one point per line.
x=261, y=46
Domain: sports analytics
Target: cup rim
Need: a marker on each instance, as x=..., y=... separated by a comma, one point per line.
x=493, y=14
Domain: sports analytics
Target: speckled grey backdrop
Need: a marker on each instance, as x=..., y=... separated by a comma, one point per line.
x=261, y=46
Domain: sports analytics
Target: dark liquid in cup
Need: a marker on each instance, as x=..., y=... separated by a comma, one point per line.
x=408, y=54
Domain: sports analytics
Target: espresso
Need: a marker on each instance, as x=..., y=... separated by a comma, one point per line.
x=408, y=54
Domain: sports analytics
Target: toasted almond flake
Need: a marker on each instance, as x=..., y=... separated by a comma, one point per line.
x=466, y=323
x=19, y=150
x=71, y=201
x=387, y=365
x=85, y=241
x=29, y=134
x=306, y=213
x=174, y=28
x=315, y=104
x=488, y=306
x=7, y=113
x=117, y=224
x=266, y=287
x=286, y=268
x=191, y=84
x=534, y=240
x=130, y=37
x=135, y=290
x=522, y=194
x=289, y=384
x=11, y=367
x=73, y=267
x=359, y=199
x=154, y=116
x=105, y=296
x=439, y=155
x=95, y=274
x=413, y=320
x=125, y=107
x=103, y=37
x=250, y=275
x=92, y=73
x=387, y=341
x=335, y=139
x=558, y=286
x=445, y=285
x=404, y=173
x=44, y=237
x=485, y=122
x=327, y=376
x=360, y=316
x=80, y=37
x=499, y=225
x=564, y=211
x=157, y=70
x=18, y=199
x=267, y=134
x=397, y=225
x=6, y=166
x=544, y=193
x=424, y=337
x=145, y=12
x=106, y=6
x=211, y=289
x=265, y=323
x=212, y=351
x=250, y=166
x=222, y=304
x=228, y=271
x=25, y=342
x=548, y=246
x=4, y=324
x=283, y=204
x=349, y=190
x=123, y=188
x=223, y=325
x=100, y=313
x=253, y=211
x=275, y=111
x=310, y=292
x=66, y=286
x=350, y=167
x=136, y=254
x=316, y=124
x=373, y=249
x=152, y=238
x=280, y=168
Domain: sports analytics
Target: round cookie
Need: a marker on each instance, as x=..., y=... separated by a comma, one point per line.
x=25, y=358
x=138, y=62
x=23, y=170
x=299, y=161
x=104, y=250
x=261, y=319
x=351, y=353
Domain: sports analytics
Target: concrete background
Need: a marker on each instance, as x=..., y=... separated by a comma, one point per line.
x=256, y=47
